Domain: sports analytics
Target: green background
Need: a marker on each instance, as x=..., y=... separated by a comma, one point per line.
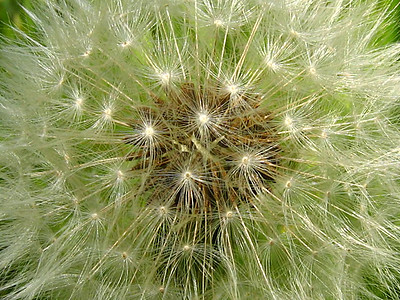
x=11, y=12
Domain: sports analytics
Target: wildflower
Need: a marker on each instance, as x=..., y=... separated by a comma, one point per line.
x=203, y=149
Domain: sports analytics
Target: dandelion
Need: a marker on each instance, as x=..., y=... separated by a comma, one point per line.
x=223, y=149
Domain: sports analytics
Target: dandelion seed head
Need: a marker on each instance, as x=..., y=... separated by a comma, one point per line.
x=189, y=146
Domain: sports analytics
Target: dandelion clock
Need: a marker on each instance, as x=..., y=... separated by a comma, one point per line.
x=200, y=149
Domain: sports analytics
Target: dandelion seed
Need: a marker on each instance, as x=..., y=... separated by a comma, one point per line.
x=245, y=161
x=288, y=184
x=165, y=78
x=60, y=82
x=294, y=33
x=107, y=113
x=312, y=71
x=272, y=65
x=75, y=201
x=203, y=118
x=78, y=103
x=163, y=210
x=148, y=131
x=324, y=134
x=187, y=175
x=233, y=89
x=120, y=175
x=229, y=214
x=67, y=158
x=87, y=53
x=125, y=44
x=218, y=23
x=288, y=122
